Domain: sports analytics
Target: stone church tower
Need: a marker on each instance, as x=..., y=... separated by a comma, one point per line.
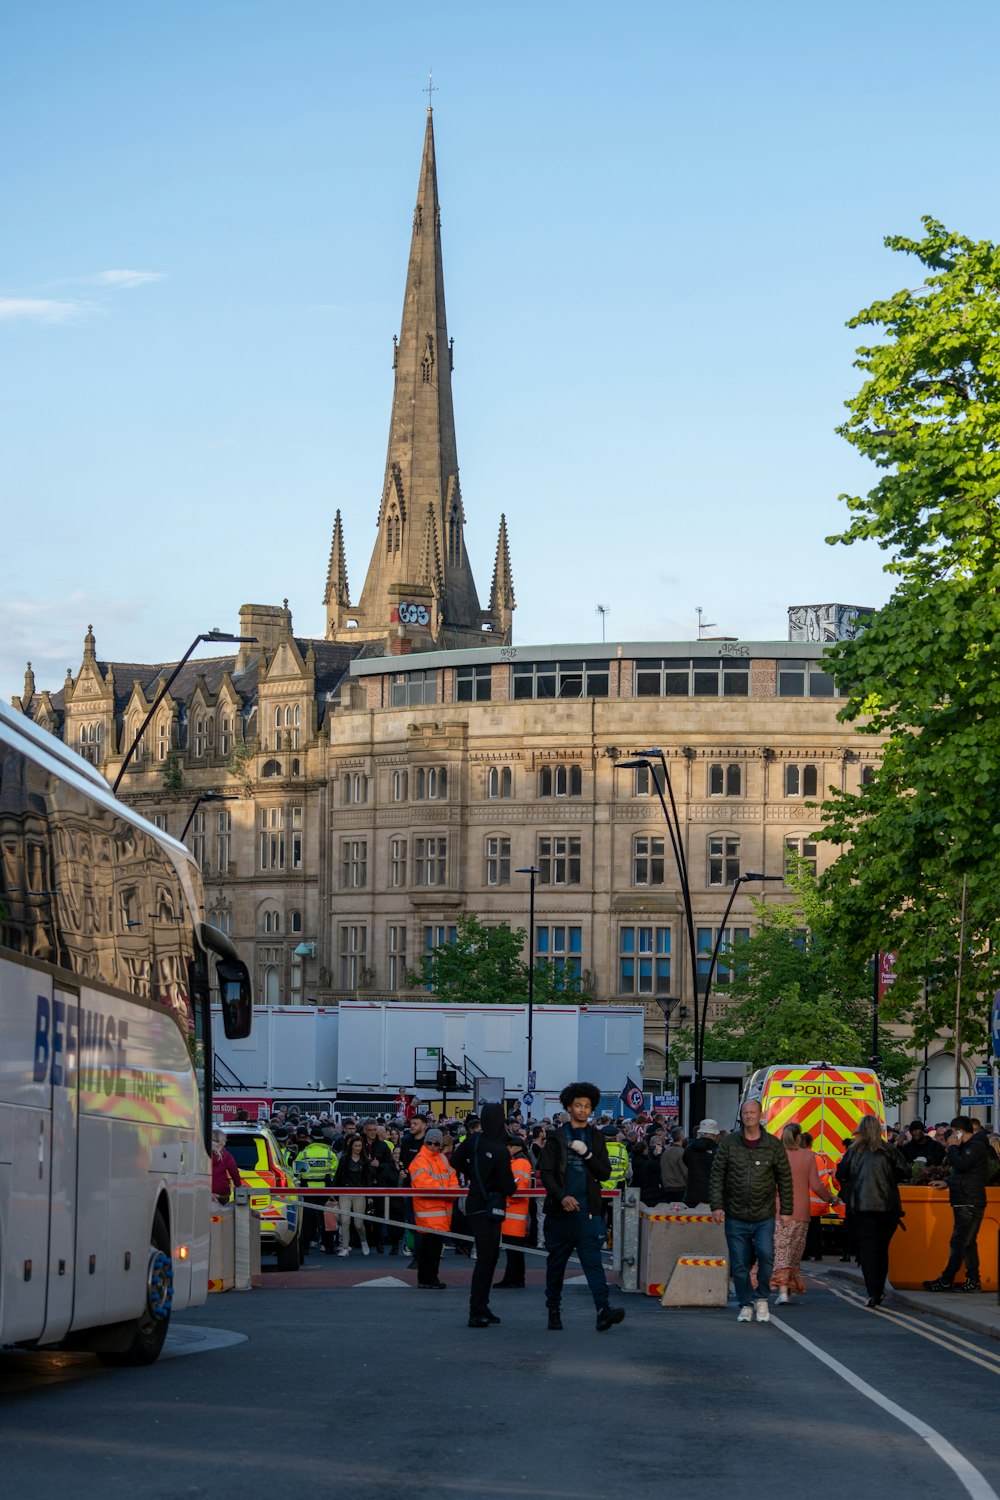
x=419, y=594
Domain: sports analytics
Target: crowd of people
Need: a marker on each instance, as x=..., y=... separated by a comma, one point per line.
x=770, y=1192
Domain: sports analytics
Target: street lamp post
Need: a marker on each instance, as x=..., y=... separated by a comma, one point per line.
x=668, y=1006
x=646, y=758
x=532, y=871
x=698, y=1100
x=209, y=635
x=207, y=796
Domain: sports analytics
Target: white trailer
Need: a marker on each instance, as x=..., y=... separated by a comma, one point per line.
x=366, y=1047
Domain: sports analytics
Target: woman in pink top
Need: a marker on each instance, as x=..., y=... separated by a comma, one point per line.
x=790, y=1234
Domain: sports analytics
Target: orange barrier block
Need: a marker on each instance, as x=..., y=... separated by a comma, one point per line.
x=918, y=1251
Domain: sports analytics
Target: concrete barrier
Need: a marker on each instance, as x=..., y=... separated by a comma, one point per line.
x=234, y=1245
x=683, y=1258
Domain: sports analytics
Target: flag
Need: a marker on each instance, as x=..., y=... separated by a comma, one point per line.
x=631, y=1096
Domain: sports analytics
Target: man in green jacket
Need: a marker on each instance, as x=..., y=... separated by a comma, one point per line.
x=749, y=1173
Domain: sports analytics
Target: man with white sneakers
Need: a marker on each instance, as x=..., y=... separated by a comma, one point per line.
x=749, y=1173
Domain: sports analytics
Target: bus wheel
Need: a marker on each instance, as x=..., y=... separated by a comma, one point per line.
x=150, y=1329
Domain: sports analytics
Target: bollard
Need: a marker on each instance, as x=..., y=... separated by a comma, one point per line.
x=629, y=1240
x=243, y=1225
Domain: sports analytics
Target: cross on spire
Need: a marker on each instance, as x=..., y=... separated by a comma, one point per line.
x=430, y=91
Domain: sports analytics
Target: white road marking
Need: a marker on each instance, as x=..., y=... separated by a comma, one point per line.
x=383, y=1281
x=184, y=1338
x=943, y=1337
x=968, y=1476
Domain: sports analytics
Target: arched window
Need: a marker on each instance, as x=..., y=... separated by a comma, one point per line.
x=198, y=747
x=272, y=985
x=867, y=775
x=560, y=781
x=734, y=781
x=454, y=536
x=393, y=531
x=793, y=781
x=810, y=781
x=716, y=781
x=225, y=734
x=271, y=768
x=499, y=781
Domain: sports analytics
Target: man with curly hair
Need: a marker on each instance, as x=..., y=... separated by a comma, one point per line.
x=572, y=1165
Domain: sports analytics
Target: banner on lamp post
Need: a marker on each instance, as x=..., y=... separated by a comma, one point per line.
x=886, y=974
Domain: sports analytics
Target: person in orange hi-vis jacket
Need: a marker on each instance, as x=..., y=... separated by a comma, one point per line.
x=515, y=1226
x=817, y=1207
x=431, y=1171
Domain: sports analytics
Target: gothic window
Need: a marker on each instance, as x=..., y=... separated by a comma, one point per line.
x=454, y=537
x=225, y=735
x=427, y=363
x=560, y=781
x=91, y=742
x=430, y=783
x=198, y=748
x=801, y=781
x=393, y=531
x=724, y=781
x=499, y=781
x=287, y=722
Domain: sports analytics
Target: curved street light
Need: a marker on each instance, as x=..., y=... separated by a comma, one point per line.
x=646, y=759
x=698, y=1101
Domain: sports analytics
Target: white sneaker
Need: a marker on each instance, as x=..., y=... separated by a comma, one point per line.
x=763, y=1311
x=782, y=1297
x=365, y=1250
x=342, y=1253
x=745, y=1315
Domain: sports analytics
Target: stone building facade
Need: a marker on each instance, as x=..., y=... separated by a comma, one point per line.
x=348, y=797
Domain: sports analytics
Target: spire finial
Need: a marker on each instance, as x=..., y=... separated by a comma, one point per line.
x=430, y=91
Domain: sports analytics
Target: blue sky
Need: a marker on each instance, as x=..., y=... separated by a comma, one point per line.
x=656, y=222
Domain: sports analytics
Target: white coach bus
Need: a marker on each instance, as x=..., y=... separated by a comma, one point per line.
x=106, y=979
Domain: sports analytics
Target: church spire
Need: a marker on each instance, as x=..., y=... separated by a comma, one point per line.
x=337, y=596
x=502, y=601
x=420, y=511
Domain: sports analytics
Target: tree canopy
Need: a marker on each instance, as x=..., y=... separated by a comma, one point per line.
x=485, y=966
x=797, y=997
x=920, y=844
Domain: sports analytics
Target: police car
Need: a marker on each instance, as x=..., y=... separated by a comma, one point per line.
x=262, y=1164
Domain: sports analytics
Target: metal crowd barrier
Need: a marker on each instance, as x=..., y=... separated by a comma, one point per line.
x=625, y=1222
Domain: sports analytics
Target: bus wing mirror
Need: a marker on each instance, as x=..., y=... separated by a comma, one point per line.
x=237, y=1001
x=235, y=989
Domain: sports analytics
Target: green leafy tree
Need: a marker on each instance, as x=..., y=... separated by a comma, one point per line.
x=485, y=966
x=797, y=998
x=240, y=764
x=173, y=775
x=920, y=844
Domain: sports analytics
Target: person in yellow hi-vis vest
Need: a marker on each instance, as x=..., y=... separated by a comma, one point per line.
x=621, y=1170
x=514, y=1229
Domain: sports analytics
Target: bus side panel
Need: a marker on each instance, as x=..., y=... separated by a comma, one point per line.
x=93, y=1214
x=25, y=1087
x=65, y=1119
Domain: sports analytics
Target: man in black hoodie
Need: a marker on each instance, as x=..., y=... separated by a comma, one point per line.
x=483, y=1159
x=572, y=1165
x=968, y=1158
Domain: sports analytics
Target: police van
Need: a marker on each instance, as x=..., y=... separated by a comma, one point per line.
x=825, y=1099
